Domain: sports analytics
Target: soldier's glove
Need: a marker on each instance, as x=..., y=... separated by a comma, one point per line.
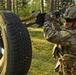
x=40, y=19
x=56, y=51
x=48, y=17
x=56, y=14
x=53, y=17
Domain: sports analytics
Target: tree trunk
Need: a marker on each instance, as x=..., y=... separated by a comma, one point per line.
x=9, y=5
x=55, y=4
x=17, y=6
x=42, y=5
x=52, y=6
x=48, y=5
x=13, y=6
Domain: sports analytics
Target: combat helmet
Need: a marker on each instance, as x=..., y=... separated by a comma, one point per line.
x=70, y=13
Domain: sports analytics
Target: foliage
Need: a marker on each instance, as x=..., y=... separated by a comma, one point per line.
x=42, y=61
x=27, y=9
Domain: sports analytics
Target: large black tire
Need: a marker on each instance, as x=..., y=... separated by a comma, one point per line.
x=15, y=45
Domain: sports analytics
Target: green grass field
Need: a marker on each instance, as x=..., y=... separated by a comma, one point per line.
x=42, y=61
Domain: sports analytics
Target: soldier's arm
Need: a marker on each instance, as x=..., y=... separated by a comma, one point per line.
x=63, y=37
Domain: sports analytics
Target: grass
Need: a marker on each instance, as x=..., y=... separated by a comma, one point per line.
x=42, y=61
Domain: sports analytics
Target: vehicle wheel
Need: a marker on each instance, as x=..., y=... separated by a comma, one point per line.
x=15, y=45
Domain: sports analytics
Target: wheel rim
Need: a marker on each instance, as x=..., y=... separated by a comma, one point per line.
x=1, y=51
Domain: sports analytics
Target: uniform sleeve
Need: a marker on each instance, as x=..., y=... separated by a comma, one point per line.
x=62, y=37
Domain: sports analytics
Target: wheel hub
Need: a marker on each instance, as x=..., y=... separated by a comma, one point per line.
x=1, y=52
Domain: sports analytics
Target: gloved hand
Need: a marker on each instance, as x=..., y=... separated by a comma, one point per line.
x=48, y=17
x=40, y=19
x=56, y=51
x=56, y=14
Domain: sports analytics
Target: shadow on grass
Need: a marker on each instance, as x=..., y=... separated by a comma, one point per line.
x=42, y=61
x=36, y=33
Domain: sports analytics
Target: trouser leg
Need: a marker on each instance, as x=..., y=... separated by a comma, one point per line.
x=58, y=67
x=66, y=70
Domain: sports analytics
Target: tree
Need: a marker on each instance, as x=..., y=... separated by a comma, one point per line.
x=42, y=5
x=57, y=4
x=15, y=6
x=9, y=5
x=48, y=5
x=52, y=5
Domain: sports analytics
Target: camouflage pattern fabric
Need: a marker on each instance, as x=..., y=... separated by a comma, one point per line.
x=70, y=12
x=66, y=38
x=69, y=64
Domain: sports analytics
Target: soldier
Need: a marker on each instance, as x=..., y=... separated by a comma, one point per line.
x=65, y=40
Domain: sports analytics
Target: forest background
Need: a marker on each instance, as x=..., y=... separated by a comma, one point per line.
x=24, y=8
x=42, y=61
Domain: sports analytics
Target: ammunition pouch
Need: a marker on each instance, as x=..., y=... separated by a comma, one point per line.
x=69, y=64
x=66, y=65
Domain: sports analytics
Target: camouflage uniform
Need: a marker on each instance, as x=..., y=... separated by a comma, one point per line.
x=65, y=39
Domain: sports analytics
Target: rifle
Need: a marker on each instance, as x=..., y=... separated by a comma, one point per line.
x=40, y=18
